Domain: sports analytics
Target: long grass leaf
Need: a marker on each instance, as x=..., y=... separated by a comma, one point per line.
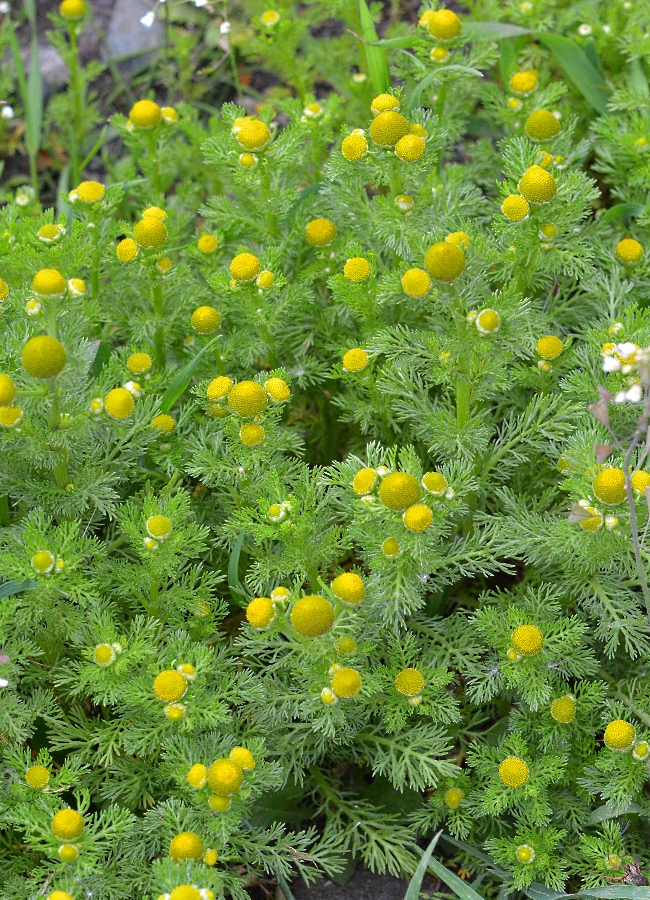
x=577, y=68
x=181, y=381
x=234, y=583
x=15, y=587
x=464, y=891
x=620, y=210
x=415, y=884
x=376, y=56
x=34, y=108
x=494, y=30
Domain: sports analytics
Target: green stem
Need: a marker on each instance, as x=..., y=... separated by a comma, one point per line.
x=159, y=310
x=5, y=519
x=463, y=394
x=76, y=89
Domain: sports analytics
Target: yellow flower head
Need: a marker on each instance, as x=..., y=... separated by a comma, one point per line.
x=619, y=735
x=388, y=127
x=312, y=615
x=219, y=803
x=251, y=434
x=444, y=25
x=225, y=777
x=527, y=640
x=409, y=682
x=404, y=202
x=629, y=251
x=185, y=892
x=104, y=655
x=243, y=757
x=537, y=185
x=150, y=232
x=525, y=854
x=416, y=283
x=138, y=363
x=354, y=147
x=265, y=280
x=277, y=389
x=72, y=10
x=355, y=360
x=356, y=269
x=43, y=357
x=461, y=238
x=7, y=390
x=444, y=261
x=417, y=517
x=77, y=287
x=4, y=290
x=346, y=682
x=90, y=191
x=67, y=824
x=419, y=130
x=364, y=481
x=219, y=387
x=207, y=243
x=247, y=399
x=640, y=480
x=206, y=319
x=609, y=486
x=384, y=102
x=525, y=82
x=391, y=549
x=245, y=267
x=164, y=423
x=542, y=125
x=127, y=250
x=197, y=777
x=435, y=483
x=410, y=148
x=60, y=895
x=43, y=562
x=593, y=522
x=513, y=772
x=186, y=845
x=119, y=403
x=254, y=135
x=399, y=490
x=10, y=416
x=50, y=234
x=564, y=709
x=549, y=346
x=488, y=321
x=439, y=55
x=453, y=798
x=248, y=160
x=346, y=645
x=269, y=18
x=67, y=853
x=320, y=232
x=169, y=685
x=349, y=588
x=49, y=283
x=515, y=207
x=145, y=114
x=159, y=527
x=37, y=777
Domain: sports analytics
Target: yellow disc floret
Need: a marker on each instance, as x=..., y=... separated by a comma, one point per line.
x=186, y=845
x=90, y=191
x=138, y=363
x=207, y=243
x=219, y=387
x=185, y=892
x=218, y=803
x=453, y=798
x=243, y=757
x=410, y=148
x=67, y=853
x=312, y=615
x=609, y=486
x=260, y=612
x=346, y=682
x=354, y=147
x=59, y=895
x=67, y=824
x=525, y=82
x=542, y=125
x=388, y=127
x=619, y=735
x=640, y=480
x=488, y=321
x=320, y=232
x=549, y=346
x=145, y=114
x=527, y=640
x=127, y=250
x=416, y=282
x=37, y=777
x=7, y=390
x=245, y=267
x=164, y=423
x=277, y=389
x=537, y=185
x=444, y=261
x=169, y=685
x=119, y=403
x=628, y=251
x=564, y=709
x=525, y=854
x=254, y=135
x=513, y=772
x=435, y=483
x=417, y=517
x=104, y=655
x=49, y=283
x=409, y=682
x=206, y=319
x=356, y=269
x=150, y=232
x=247, y=399
x=197, y=777
x=364, y=481
x=444, y=25
x=251, y=434
x=159, y=527
x=515, y=207
x=349, y=588
x=399, y=490
x=43, y=357
x=72, y=10
x=355, y=360
x=384, y=102
x=10, y=416
x=225, y=777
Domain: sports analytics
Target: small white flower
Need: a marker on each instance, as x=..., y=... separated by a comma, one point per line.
x=3, y=682
x=147, y=19
x=611, y=364
x=7, y=112
x=4, y=7
x=200, y=3
x=607, y=28
x=359, y=77
x=634, y=394
x=585, y=30
x=225, y=28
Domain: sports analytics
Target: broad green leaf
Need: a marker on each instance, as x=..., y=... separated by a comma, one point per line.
x=614, y=892
x=63, y=208
x=577, y=68
x=34, y=108
x=636, y=78
x=431, y=77
x=604, y=812
x=233, y=569
x=376, y=56
x=102, y=356
x=15, y=587
x=393, y=43
x=464, y=891
x=541, y=892
x=181, y=381
x=415, y=884
x=494, y=30
x=621, y=210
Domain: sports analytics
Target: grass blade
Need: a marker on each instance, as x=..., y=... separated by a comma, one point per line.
x=181, y=381
x=620, y=211
x=376, y=56
x=493, y=30
x=15, y=587
x=415, y=884
x=234, y=583
x=462, y=890
x=431, y=77
x=577, y=68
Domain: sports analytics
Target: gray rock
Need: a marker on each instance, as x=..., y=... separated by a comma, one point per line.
x=53, y=70
x=126, y=36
